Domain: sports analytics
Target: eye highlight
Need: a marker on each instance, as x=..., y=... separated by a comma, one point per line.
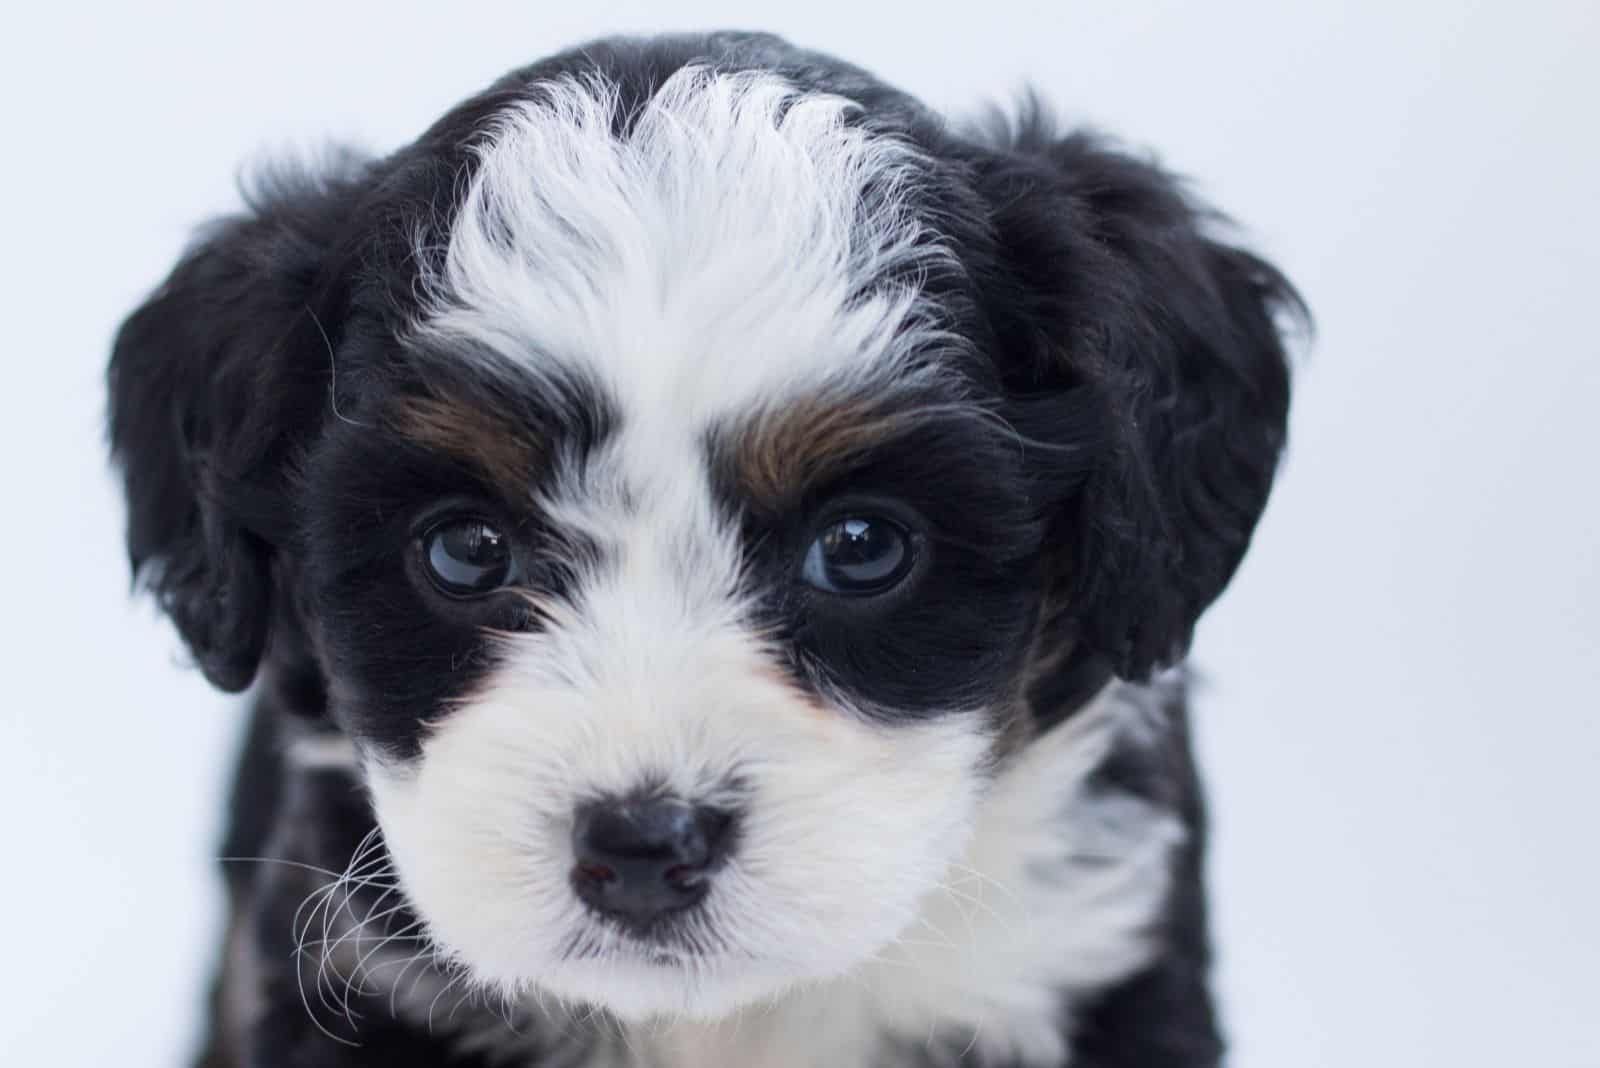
x=466, y=557
x=858, y=556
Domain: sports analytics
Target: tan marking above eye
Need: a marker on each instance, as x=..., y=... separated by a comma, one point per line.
x=782, y=452
x=504, y=450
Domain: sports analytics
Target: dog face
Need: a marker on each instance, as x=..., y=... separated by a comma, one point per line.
x=683, y=475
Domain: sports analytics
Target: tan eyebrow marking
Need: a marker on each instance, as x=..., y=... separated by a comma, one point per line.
x=502, y=448
x=779, y=453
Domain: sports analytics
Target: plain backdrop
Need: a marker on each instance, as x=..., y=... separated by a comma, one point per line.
x=1400, y=724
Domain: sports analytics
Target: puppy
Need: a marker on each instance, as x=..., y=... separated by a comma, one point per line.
x=714, y=546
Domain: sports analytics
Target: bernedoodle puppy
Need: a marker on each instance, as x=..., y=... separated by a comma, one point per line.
x=714, y=544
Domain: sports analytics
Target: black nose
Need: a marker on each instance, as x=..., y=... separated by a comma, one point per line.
x=637, y=860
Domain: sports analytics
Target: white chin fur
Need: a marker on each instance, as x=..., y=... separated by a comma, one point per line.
x=636, y=991
x=844, y=824
x=944, y=904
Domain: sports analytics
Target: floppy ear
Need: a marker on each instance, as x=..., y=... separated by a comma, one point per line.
x=210, y=380
x=1134, y=333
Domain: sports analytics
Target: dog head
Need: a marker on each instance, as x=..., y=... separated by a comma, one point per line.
x=682, y=474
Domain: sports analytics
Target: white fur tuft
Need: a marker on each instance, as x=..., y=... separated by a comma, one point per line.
x=731, y=245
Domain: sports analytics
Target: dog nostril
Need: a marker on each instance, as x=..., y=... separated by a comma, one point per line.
x=637, y=860
x=598, y=873
x=683, y=873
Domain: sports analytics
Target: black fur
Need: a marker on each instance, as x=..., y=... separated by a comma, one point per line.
x=1132, y=356
x=1118, y=300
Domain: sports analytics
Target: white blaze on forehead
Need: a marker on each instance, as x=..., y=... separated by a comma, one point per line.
x=730, y=245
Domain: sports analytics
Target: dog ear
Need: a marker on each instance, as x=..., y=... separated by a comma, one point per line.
x=1151, y=351
x=209, y=381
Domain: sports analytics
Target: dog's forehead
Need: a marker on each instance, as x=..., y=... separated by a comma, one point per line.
x=737, y=245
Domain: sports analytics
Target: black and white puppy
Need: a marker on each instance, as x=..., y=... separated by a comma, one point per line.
x=714, y=541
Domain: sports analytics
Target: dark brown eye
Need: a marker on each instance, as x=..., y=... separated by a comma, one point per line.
x=467, y=557
x=858, y=556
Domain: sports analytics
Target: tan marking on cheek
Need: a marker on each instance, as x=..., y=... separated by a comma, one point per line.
x=505, y=452
x=1051, y=648
x=783, y=453
x=1016, y=730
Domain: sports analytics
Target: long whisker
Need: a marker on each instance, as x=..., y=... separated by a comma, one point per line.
x=369, y=868
x=279, y=860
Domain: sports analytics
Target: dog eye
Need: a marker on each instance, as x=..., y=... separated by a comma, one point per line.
x=465, y=557
x=858, y=556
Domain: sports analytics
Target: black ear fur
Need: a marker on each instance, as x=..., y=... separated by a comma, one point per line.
x=1147, y=334
x=209, y=380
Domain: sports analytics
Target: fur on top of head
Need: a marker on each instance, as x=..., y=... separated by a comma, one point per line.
x=693, y=477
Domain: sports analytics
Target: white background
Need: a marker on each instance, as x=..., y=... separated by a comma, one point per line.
x=1401, y=728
